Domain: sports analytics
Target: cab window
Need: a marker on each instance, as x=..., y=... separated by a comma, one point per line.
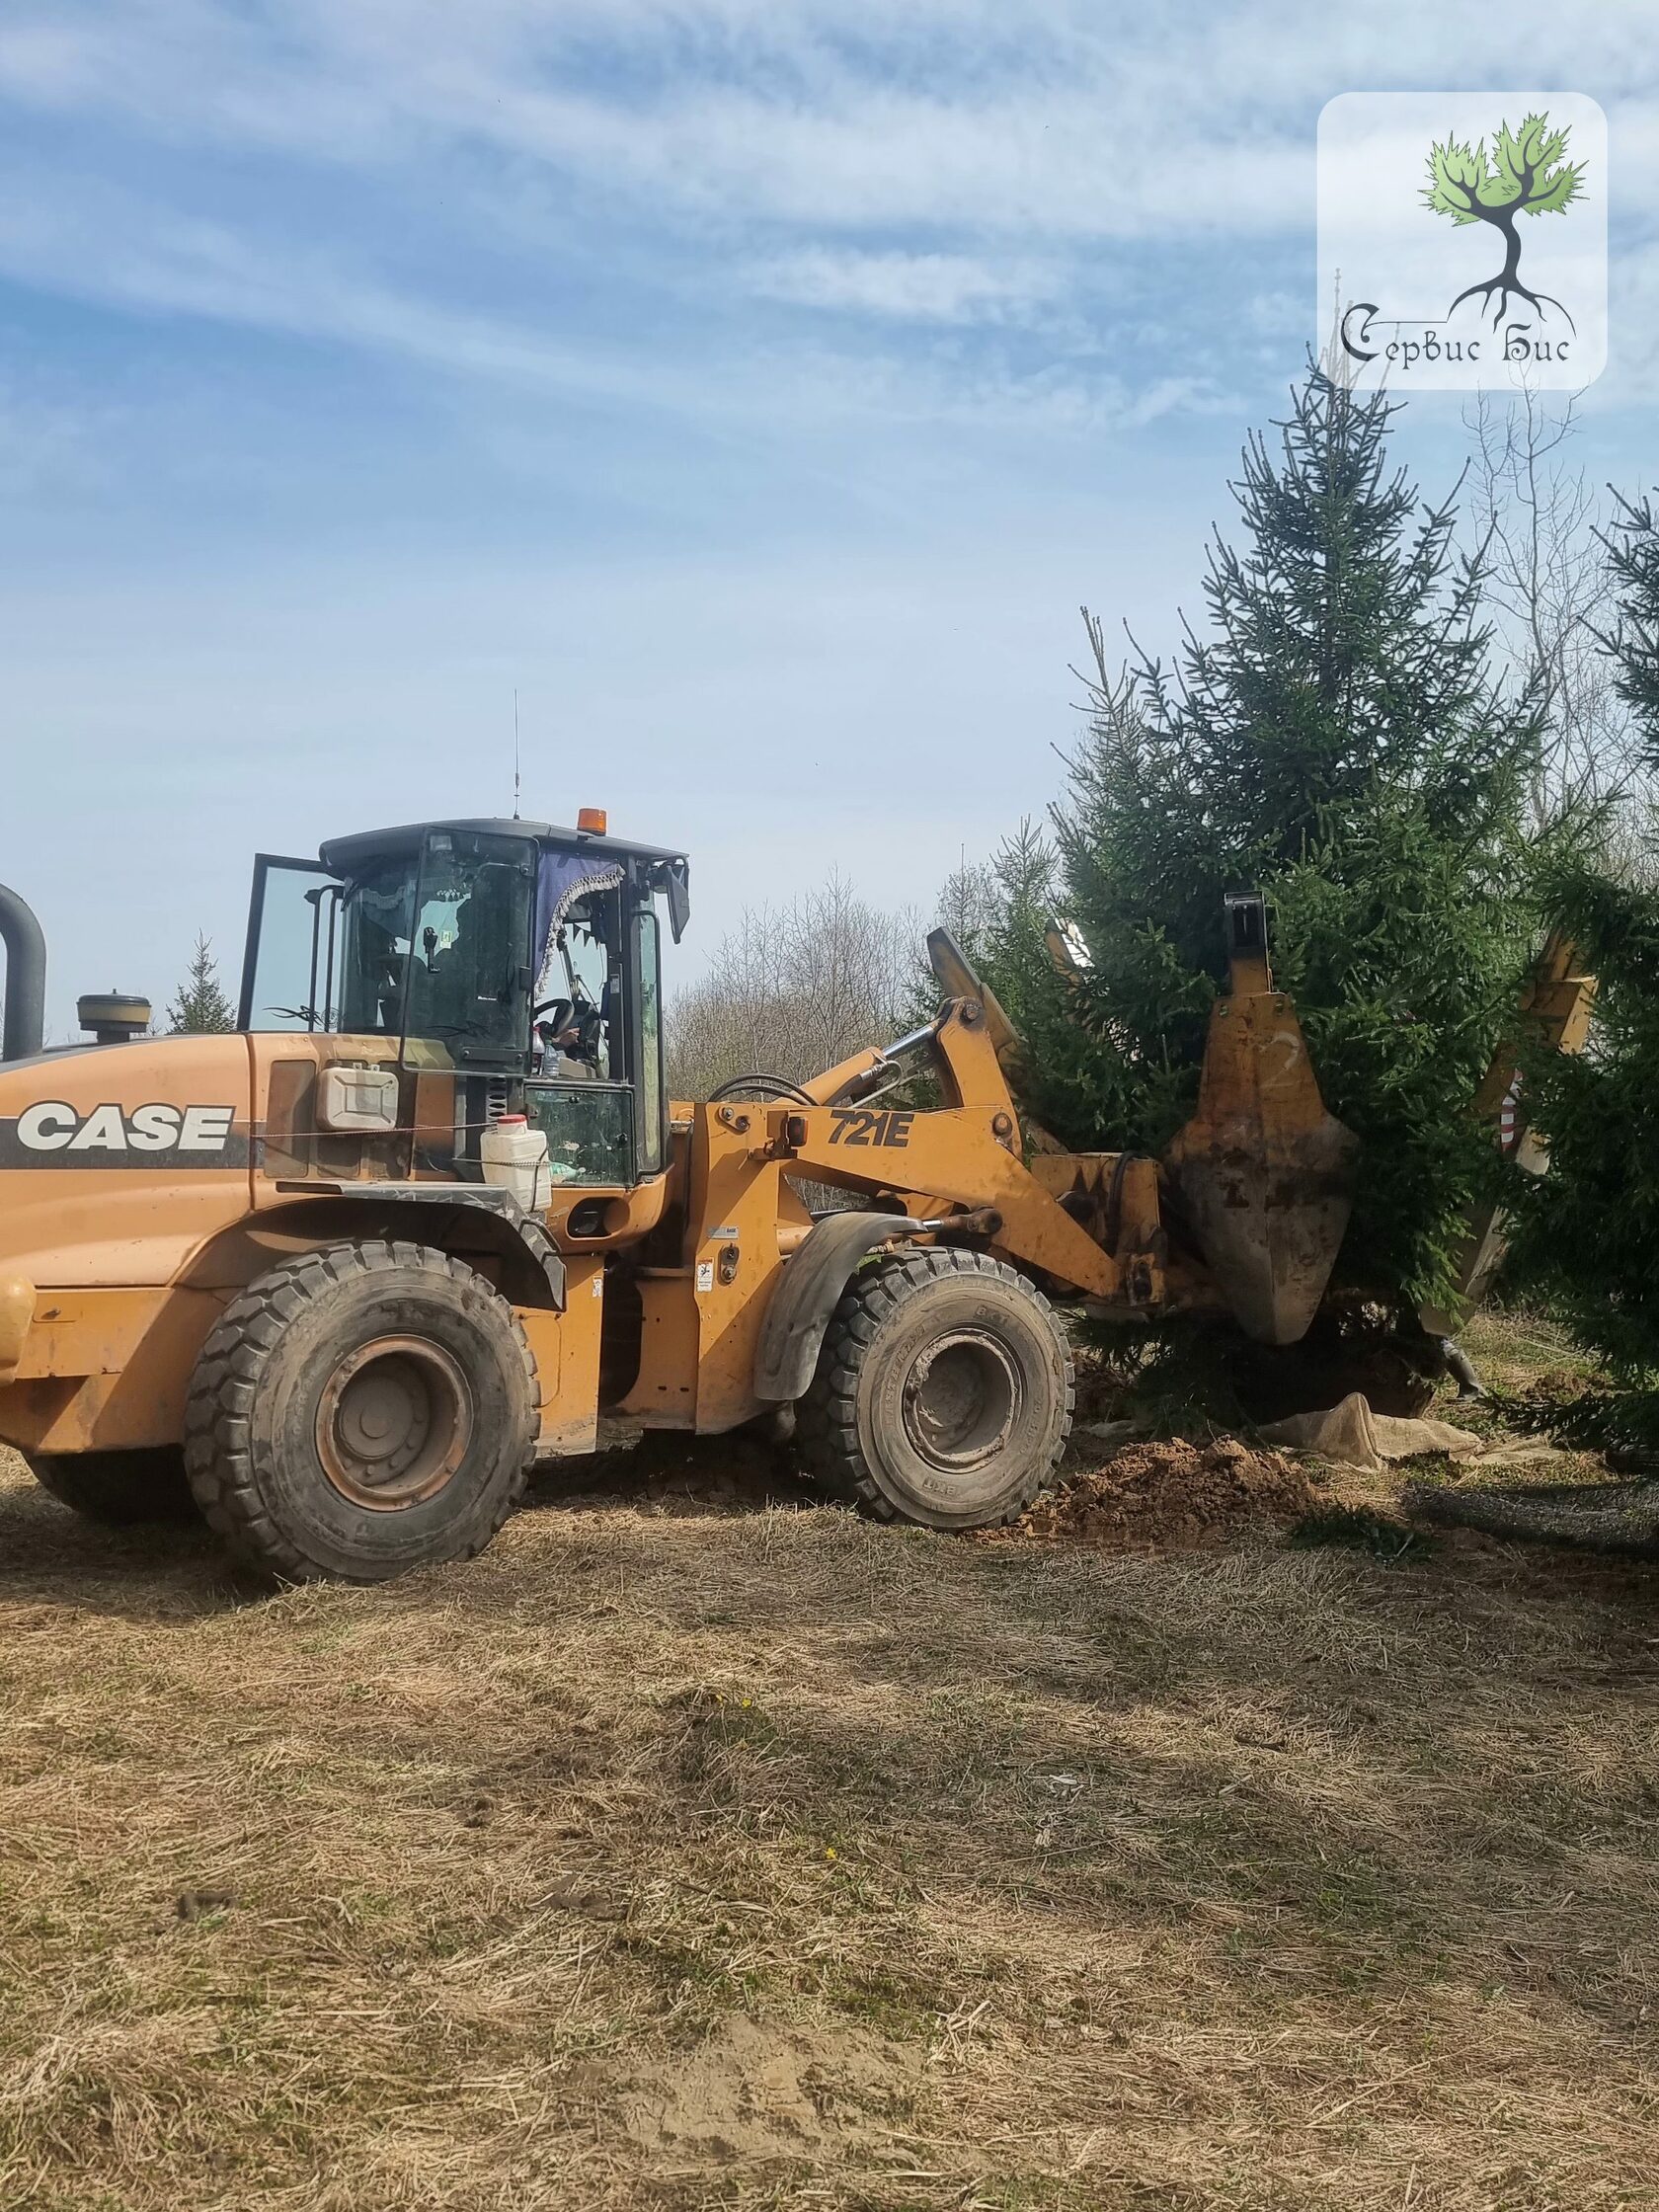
x=651, y=1108
x=469, y=965
x=578, y=1029
x=376, y=936
x=434, y=945
x=285, y=968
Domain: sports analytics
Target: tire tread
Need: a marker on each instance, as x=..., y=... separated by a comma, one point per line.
x=217, y=1429
x=826, y=1418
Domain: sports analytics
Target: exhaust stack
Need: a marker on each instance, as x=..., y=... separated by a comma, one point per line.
x=23, y=1032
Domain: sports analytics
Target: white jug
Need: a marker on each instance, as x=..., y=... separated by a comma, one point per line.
x=515, y=1157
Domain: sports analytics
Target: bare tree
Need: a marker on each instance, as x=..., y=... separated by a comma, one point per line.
x=795, y=988
x=970, y=904
x=1538, y=518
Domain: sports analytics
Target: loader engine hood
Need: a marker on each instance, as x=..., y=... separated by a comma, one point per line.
x=173, y=1102
x=119, y=1160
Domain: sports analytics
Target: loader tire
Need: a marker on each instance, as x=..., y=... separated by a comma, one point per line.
x=120, y=1489
x=360, y=1411
x=943, y=1393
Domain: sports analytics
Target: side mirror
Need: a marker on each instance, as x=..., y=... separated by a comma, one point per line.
x=675, y=877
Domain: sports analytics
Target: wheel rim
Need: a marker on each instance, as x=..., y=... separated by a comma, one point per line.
x=394, y=1423
x=961, y=1400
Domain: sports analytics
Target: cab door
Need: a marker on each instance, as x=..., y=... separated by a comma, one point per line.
x=603, y=1111
x=287, y=969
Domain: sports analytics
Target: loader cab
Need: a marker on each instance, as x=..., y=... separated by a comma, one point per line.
x=520, y=957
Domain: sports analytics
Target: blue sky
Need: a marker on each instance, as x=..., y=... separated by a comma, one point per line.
x=757, y=385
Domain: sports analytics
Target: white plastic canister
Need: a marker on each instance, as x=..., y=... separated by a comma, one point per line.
x=515, y=1157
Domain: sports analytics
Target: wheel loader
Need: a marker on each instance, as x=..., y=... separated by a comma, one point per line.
x=279, y=1274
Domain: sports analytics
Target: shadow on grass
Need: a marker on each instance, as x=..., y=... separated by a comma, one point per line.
x=1621, y=1518
x=1347, y=1527
x=1323, y=1766
x=52, y=1556
x=676, y=1474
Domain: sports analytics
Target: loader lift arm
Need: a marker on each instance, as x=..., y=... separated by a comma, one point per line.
x=1555, y=1011
x=1262, y=1171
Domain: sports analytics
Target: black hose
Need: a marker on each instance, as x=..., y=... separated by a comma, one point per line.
x=779, y=1085
x=1114, y=1204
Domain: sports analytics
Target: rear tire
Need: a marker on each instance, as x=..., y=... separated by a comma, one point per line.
x=362, y=1411
x=944, y=1390
x=120, y=1489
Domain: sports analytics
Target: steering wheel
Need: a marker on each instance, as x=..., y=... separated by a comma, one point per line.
x=558, y=1012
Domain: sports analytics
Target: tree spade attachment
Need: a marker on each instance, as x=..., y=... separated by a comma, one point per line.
x=1263, y=1172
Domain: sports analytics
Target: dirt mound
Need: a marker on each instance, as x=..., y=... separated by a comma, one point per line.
x=1169, y=1494
x=751, y=2093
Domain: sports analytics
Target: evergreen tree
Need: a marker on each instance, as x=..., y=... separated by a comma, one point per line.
x=200, y=1005
x=1338, y=741
x=1633, y=551
x=1586, y=1234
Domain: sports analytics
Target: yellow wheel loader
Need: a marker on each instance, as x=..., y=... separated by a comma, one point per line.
x=338, y=1276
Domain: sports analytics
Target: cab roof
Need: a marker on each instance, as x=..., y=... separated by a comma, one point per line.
x=342, y=855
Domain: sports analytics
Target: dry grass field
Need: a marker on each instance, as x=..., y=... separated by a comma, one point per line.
x=692, y=1850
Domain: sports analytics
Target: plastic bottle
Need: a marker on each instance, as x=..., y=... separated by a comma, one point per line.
x=515, y=1157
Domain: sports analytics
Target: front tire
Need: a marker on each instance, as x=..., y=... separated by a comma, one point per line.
x=362, y=1411
x=119, y=1489
x=944, y=1390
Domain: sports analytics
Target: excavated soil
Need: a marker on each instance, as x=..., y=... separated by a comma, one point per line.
x=751, y=2094
x=1167, y=1496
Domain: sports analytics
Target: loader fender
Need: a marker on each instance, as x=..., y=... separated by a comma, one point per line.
x=792, y=1333
x=462, y=1219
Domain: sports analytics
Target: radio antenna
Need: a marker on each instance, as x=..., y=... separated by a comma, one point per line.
x=517, y=779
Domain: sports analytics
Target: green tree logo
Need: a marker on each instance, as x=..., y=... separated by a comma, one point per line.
x=1525, y=174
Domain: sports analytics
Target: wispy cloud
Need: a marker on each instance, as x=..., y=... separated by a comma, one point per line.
x=106, y=247
x=715, y=366
x=951, y=173
x=906, y=287
x=1059, y=115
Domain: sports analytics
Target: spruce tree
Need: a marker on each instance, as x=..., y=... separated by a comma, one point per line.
x=1585, y=1236
x=1335, y=738
x=201, y=1004
x=1632, y=550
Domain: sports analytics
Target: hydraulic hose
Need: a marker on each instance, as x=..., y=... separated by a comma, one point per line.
x=778, y=1085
